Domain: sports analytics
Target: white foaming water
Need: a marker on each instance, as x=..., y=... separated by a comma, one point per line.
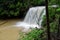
x=33, y=18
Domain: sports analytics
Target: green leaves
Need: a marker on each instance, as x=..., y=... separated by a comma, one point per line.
x=16, y=13
x=52, y=2
x=17, y=7
x=11, y=12
x=11, y=6
x=34, y=34
x=54, y=14
x=58, y=10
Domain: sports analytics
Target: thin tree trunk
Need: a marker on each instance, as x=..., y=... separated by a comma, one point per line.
x=47, y=17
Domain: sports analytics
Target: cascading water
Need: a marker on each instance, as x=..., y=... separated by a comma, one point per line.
x=33, y=18
x=34, y=15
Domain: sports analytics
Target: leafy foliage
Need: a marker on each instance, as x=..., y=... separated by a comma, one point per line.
x=16, y=8
x=33, y=35
x=54, y=14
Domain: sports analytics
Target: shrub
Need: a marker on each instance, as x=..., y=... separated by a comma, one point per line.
x=35, y=34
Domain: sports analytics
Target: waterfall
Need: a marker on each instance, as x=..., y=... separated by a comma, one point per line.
x=33, y=18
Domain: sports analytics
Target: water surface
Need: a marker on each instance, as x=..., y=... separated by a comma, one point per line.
x=7, y=31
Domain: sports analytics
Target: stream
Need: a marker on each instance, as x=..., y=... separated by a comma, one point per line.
x=7, y=31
